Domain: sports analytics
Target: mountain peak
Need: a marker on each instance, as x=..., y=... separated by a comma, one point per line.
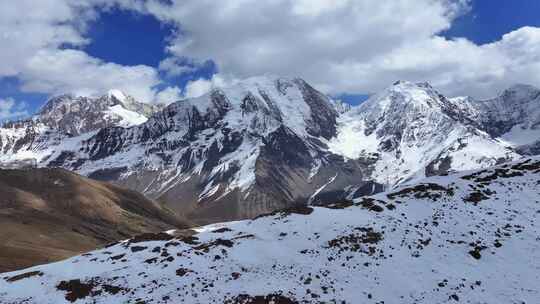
x=75, y=115
x=402, y=94
x=56, y=101
x=111, y=98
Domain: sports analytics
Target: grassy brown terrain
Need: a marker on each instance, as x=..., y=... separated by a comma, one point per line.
x=51, y=214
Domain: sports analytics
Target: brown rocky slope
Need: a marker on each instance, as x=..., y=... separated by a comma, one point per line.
x=50, y=214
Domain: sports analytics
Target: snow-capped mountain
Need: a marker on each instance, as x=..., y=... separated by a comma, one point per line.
x=75, y=115
x=467, y=238
x=267, y=143
x=512, y=117
x=413, y=131
x=235, y=152
x=63, y=119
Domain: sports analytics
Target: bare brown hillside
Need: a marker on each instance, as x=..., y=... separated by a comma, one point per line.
x=50, y=214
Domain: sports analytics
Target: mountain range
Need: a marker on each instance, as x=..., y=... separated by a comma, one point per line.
x=269, y=143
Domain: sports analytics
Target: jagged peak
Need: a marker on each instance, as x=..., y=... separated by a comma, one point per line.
x=251, y=85
x=266, y=80
x=112, y=97
x=56, y=101
x=402, y=93
x=340, y=106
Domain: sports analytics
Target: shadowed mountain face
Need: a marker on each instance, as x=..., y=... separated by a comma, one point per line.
x=50, y=214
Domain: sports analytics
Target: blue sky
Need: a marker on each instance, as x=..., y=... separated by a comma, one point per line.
x=132, y=37
x=489, y=20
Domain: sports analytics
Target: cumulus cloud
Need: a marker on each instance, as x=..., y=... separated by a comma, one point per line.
x=41, y=46
x=353, y=46
x=10, y=109
x=60, y=71
x=347, y=45
x=169, y=95
x=201, y=86
x=174, y=66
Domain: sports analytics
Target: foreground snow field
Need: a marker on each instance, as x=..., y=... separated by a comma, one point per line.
x=473, y=237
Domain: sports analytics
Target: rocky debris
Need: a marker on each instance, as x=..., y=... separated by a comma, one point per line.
x=77, y=289
x=300, y=209
x=145, y=237
x=431, y=190
x=358, y=241
x=269, y=299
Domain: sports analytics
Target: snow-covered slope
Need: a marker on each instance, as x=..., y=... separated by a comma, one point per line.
x=64, y=121
x=467, y=238
x=413, y=131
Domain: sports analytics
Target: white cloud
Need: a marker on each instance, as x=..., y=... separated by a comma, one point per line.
x=26, y=27
x=34, y=35
x=354, y=46
x=173, y=66
x=60, y=71
x=169, y=95
x=10, y=109
x=347, y=45
x=201, y=86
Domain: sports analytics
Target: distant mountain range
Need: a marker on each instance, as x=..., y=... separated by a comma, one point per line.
x=270, y=143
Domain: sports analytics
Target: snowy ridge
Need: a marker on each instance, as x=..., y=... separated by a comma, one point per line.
x=128, y=118
x=65, y=121
x=413, y=130
x=512, y=117
x=340, y=106
x=470, y=237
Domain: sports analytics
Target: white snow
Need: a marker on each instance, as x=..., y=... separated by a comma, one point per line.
x=314, y=195
x=420, y=252
x=412, y=117
x=117, y=94
x=127, y=118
